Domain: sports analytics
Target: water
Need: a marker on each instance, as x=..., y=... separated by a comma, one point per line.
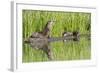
x=69, y=50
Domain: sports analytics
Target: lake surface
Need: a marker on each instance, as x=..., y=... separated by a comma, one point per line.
x=61, y=51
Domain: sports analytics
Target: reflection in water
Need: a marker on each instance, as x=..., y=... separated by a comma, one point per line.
x=71, y=49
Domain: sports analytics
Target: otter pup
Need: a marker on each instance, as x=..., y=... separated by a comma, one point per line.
x=66, y=34
x=75, y=34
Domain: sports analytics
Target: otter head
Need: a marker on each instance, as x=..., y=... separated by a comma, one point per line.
x=50, y=24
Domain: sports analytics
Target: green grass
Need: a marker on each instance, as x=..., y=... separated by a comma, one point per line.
x=34, y=21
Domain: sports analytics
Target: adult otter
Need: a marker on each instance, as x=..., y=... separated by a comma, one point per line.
x=45, y=32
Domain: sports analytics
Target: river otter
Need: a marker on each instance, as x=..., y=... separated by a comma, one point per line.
x=66, y=34
x=75, y=34
x=45, y=32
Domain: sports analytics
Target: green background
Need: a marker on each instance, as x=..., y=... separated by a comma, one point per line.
x=34, y=21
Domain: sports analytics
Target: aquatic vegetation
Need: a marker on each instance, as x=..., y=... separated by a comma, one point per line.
x=35, y=21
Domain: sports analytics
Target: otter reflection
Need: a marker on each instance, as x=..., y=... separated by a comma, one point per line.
x=43, y=43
